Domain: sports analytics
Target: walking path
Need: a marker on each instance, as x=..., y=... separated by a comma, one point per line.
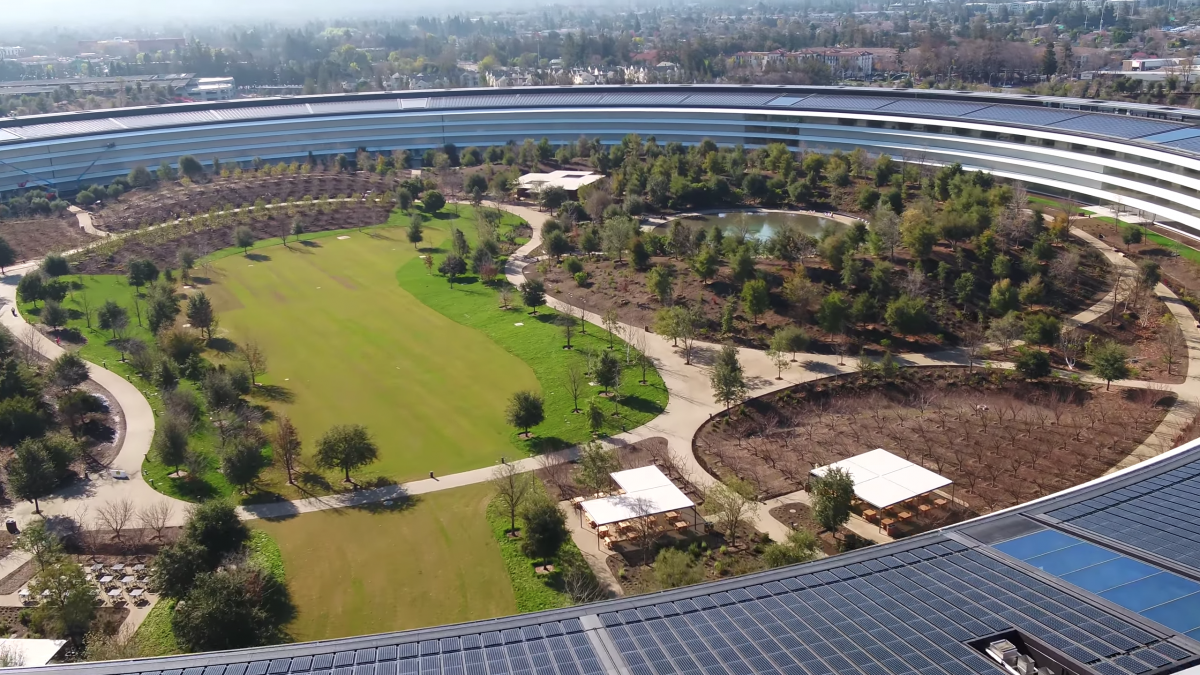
x=691, y=404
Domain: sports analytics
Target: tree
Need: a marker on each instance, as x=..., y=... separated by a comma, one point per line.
x=1003, y=298
x=533, y=294
x=214, y=526
x=608, y=370
x=1042, y=329
x=1049, y=60
x=755, y=298
x=243, y=238
x=1005, y=330
x=525, y=410
x=157, y=516
x=674, y=568
x=728, y=380
x=171, y=440
x=232, y=609
x=54, y=315
x=729, y=502
x=834, y=312
x=452, y=267
x=742, y=265
x=55, y=265
x=906, y=314
x=611, y=321
x=112, y=317
x=705, y=264
x=32, y=287
x=286, y=445
x=297, y=228
x=415, y=230
x=831, y=496
x=69, y=370
x=545, y=530
x=346, y=447
x=964, y=288
x=256, y=361
x=780, y=360
x=790, y=339
x=201, y=315
x=40, y=543
x=1032, y=363
x=1171, y=340
x=142, y=272
x=31, y=473
x=243, y=461
x=595, y=417
x=801, y=546
x=1110, y=362
x=556, y=244
x=69, y=600
x=596, y=466
x=177, y=566
x=433, y=201
x=189, y=166
x=7, y=255
x=660, y=280
x=512, y=487
x=575, y=382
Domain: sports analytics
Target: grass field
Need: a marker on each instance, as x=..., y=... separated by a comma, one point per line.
x=347, y=345
x=539, y=343
x=354, y=572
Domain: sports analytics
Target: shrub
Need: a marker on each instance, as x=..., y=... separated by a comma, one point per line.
x=674, y=568
x=581, y=278
x=1032, y=363
x=572, y=265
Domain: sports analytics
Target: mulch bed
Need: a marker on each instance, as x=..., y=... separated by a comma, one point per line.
x=35, y=237
x=1001, y=439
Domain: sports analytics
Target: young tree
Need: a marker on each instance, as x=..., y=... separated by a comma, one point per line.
x=575, y=382
x=831, y=496
x=608, y=371
x=780, y=360
x=55, y=265
x=790, y=339
x=54, y=315
x=1005, y=330
x=728, y=380
x=755, y=298
x=1110, y=362
x=201, y=314
x=31, y=287
x=244, y=461
x=415, y=230
x=1171, y=340
x=525, y=411
x=116, y=516
x=69, y=600
x=705, y=264
x=7, y=255
x=512, y=487
x=243, y=238
x=157, y=516
x=142, y=272
x=286, y=445
x=256, y=361
x=346, y=447
x=452, y=267
x=39, y=542
x=545, y=530
x=596, y=466
x=568, y=323
x=729, y=502
x=660, y=280
x=112, y=317
x=172, y=440
x=611, y=322
x=533, y=294
x=1032, y=363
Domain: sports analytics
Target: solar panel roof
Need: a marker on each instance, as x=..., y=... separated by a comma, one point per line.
x=947, y=108
x=262, y=112
x=332, y=108
x=1018, y=114
x=825, y=102
x=732, y=98
x=166, y=119
x=1116, y=125
x=642, y=98
x=68, y=128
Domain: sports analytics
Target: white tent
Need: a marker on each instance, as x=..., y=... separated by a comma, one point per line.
x=647, y=491
x=882, y=479
x=30, y=652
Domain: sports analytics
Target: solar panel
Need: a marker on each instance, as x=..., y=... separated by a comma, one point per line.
x=166, y=119
x=262, y=112
x=482, y=101
x=559, y=99
x=1018, y=114
x=836, y=102
x=642, y=98
x=944, y=108
x=6, y=135
x=413, y=103
x=1119, y=126
x=731, y=98
x=65, y=128
x=339, y=107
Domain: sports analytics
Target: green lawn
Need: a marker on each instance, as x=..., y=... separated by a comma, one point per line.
x=357, y=571
x=347, y=345
x=538, y=342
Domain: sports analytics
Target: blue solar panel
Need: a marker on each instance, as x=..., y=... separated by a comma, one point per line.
x=1120, y=126
x=1167, y=598
x=1019, y=114
x=834, y=102
x=945, y=108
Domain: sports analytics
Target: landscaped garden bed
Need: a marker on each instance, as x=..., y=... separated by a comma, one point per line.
x=1001, y=439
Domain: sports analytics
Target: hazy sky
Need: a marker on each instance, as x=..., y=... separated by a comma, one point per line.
x=112, y=14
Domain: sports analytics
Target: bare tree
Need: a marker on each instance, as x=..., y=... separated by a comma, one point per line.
x=156, y=517
x=85, y=304
x=285, y=443
x=31, y=351
x=556, y=472
x=644, y=526
x=575, y=383
x=505, y=294
x=512, y=489
x=254, y=358
x=1171, y=340
x=1071, y=343
x=116, y=516
x=641, y=359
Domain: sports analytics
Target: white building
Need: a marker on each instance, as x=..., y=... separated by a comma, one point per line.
x=12, y=51
x=211, y=89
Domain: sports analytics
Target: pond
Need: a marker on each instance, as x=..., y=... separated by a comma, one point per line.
x=760, y=225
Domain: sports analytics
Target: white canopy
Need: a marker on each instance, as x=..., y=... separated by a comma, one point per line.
x=647, y=491
x=882, y=479
x=30, y=652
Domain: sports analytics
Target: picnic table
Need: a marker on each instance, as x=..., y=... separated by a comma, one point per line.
x=114, y=593
x=139, y=567
x=96, y=567
x=106, y=579
x=128, y=579
x=118, y=567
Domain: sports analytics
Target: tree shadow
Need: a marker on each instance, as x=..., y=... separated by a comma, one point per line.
x=377, y=234
x=222, y=345
x=258, y=257
x=819, y=367
x=703, y=356
x=310, y=243
x=641, y=404
x=274, y=392
x=200, y=280
x=312, y=479
x=194, y=489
